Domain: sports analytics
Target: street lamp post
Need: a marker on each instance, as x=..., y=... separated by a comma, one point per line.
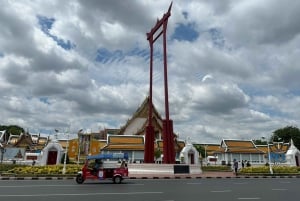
x=66, y=152
x=270, y=165
x=2, y=149
x=79, y=143
x=269, y=155
x=205, y=147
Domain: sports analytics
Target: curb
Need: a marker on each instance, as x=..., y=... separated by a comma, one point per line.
x=37, y=178
x=157, y=177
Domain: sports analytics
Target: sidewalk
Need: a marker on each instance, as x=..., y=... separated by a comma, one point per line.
x=203, y=175
x=183, y=176
x=144, y=175
x=159, y=175
x=209, y=175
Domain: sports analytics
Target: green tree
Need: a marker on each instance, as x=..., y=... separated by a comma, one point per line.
x=11, y=129
x=15, y=130
x=200, y=149
x=62, y=160
x=157, y=153
x=260, y=142
x=286, y=134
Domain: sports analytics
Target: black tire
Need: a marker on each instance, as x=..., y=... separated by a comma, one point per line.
x=79, y=179
x=117, y=179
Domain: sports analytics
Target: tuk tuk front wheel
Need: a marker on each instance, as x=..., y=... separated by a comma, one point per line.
x=79, y=179
x=117, y=179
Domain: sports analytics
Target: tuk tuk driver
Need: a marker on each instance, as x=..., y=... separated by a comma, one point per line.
x=98, y=165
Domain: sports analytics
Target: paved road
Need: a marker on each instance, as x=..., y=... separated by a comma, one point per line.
x=230, y=189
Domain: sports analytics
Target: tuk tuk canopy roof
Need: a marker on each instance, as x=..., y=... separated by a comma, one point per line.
x=109, y=156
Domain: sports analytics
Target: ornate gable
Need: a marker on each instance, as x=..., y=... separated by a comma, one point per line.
x=279, y=147
x=276, y=147
x=137, y=123
x=24, y=141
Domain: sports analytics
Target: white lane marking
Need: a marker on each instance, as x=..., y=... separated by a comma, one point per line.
x=221, y=191
x=285, y=182
x=279, y=189
x=77, y=194
x=240, y=183
x=249, y=198
x=193, y=183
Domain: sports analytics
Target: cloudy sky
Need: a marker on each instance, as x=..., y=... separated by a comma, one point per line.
x=233, y=65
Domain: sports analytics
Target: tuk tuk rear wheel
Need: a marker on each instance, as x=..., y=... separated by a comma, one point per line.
x=79, y=179
x=117, y=179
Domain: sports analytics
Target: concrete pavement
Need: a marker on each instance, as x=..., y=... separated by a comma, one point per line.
x=203, y=175
x=161, y=171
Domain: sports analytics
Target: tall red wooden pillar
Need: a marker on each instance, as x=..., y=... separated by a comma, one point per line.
x=149, y=136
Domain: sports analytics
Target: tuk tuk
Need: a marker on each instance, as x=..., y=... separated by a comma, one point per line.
x=104, y=166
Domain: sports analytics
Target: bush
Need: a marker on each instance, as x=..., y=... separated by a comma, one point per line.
x=6, y=167
x=43, y=170
x=216, y=168
x=266, y=170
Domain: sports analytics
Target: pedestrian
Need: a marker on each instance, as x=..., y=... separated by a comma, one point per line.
x=243, y=164
x=235, y=166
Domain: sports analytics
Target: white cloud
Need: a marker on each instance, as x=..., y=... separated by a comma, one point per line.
x=207, y=77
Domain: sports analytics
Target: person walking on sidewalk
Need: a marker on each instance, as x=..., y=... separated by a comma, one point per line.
x=235, y=166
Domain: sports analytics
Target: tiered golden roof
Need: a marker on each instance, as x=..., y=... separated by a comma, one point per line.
x=238, y=146
x=124, y=142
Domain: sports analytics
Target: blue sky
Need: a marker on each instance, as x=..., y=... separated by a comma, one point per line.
x=185, y=32
x=46, y=25
x=233, y=65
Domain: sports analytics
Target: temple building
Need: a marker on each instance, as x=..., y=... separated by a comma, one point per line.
x=246, y=151
x=130, y=138
x=240, y=150
x=23, y=147
x=29, y=142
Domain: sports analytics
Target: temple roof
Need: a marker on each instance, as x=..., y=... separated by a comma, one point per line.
x=210, y=148
x=238, y=146
x=124, y=142
x=178, y=145
x=237, y=143
x=137, y=123
x=27, y=141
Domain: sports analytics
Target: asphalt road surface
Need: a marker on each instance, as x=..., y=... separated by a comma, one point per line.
x=270, y=189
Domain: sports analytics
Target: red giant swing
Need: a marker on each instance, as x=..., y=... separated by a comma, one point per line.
x=168, y=135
